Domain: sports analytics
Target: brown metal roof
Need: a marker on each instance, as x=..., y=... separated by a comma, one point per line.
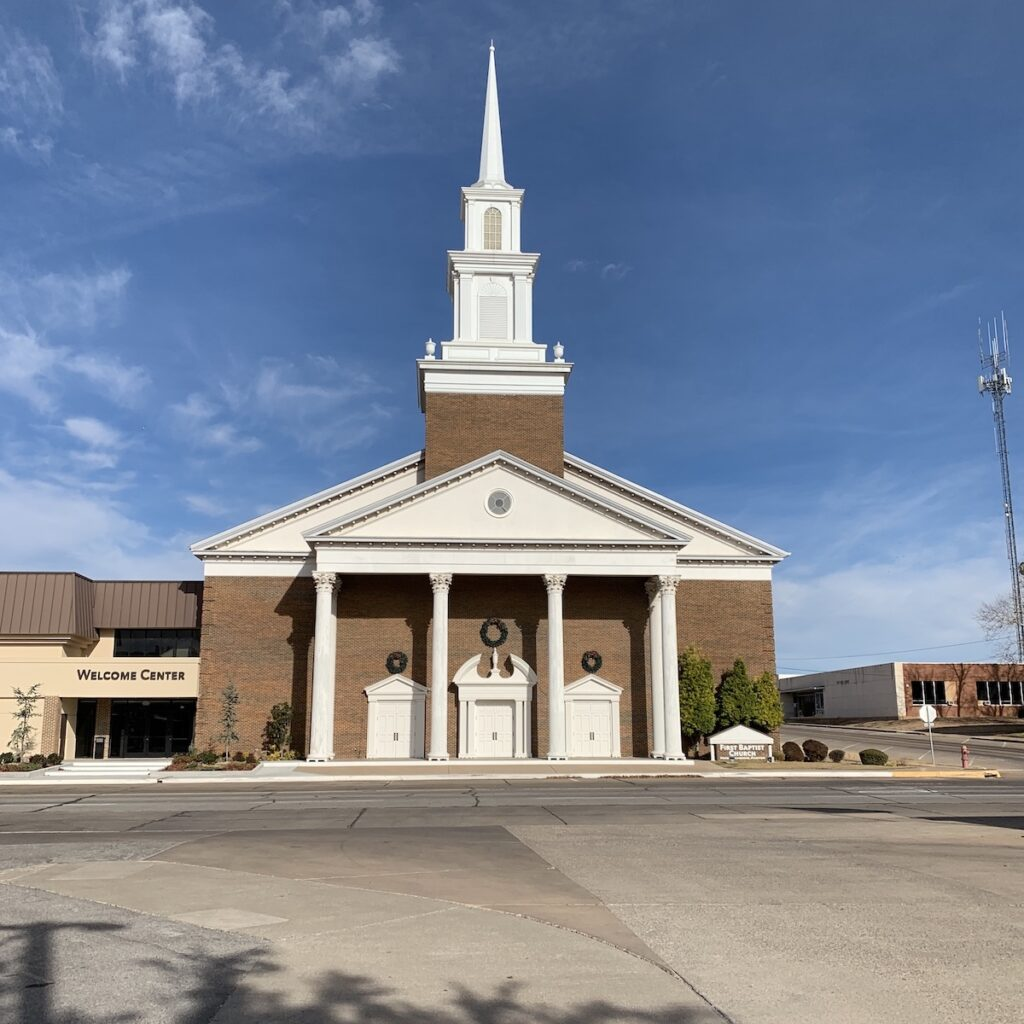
x=156, y=604
x=46, y=604
x=67, y=604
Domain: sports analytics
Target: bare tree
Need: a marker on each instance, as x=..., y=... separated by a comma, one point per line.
x=999, y=624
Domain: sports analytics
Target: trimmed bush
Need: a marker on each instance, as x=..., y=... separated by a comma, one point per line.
x=208, y=757
x=792, y=751
x=873, y=756
x=54, y=758
x=836, y=755
x=7, y=757
x=815, y=750
x=37, y=759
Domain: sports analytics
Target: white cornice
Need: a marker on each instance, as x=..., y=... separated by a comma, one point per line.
x=492, y=544
x=499, y=458
x=666, y=505
x=298, y=508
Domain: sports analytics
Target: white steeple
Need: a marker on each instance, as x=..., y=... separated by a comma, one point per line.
x=492, y=161
x=490, y=281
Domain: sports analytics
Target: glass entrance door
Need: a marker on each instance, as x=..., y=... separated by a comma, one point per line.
x=151, y=728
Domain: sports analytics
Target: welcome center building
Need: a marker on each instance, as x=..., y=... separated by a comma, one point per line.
x=489, y=595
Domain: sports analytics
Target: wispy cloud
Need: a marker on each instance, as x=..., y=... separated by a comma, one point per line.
x=32, y=305
x=200, y=422
x=55, y=525
x=177, y=43
x=606, y=271
x=205, y=505
x=93, y=432
x=31, y=97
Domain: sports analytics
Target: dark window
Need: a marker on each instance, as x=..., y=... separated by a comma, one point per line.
x=1009, y=692
x=156, y=643
x=927, y=691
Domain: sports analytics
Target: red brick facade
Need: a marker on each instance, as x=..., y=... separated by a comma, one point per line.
x=461, y=428
x=961, y=681
x=258, y=632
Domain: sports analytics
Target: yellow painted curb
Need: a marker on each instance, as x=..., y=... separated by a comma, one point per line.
x=955, y=773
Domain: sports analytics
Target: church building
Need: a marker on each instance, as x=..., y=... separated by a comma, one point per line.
x=489, y=595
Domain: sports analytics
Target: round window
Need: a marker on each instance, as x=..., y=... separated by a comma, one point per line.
x=499, y=503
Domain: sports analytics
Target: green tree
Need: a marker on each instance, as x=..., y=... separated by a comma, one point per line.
x=21, y=738
x=229, y=699
x=696, y=696
x=736, y=702
x=277, y=733
x=768, y=702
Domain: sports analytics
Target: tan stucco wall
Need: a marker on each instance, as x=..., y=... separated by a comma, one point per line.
x=58, y=678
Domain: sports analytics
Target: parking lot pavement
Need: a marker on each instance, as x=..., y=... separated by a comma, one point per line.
x=670, y=900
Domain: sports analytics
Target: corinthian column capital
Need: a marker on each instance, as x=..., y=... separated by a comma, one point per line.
x=554, y=582
x=668, y=584
x=440, y=582
x=325, y=582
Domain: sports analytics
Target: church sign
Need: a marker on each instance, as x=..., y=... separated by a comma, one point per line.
x=741, y=743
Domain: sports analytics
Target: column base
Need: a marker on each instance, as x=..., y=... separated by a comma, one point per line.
x=675, y=757
x=437, y=757
x=657, y=755
x=558, y=757
x=322, y=759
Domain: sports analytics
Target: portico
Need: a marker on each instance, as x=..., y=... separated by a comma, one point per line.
x=508, y=683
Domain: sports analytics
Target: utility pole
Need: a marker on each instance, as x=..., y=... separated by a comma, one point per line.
x=994, y=380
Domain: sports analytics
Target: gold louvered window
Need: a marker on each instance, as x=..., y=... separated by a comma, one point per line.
x=492, y=228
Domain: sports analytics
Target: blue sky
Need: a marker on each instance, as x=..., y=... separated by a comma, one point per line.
x=767, y=234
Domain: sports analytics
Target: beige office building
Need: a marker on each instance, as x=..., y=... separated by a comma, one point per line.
x=116, y=662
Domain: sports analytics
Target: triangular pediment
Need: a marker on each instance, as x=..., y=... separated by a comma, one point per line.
x=534, y=506
x=593, y=686
x=711, y=541
x=281, y=530
x=397, y=686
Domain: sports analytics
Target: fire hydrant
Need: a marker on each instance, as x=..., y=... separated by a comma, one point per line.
x=965, y=756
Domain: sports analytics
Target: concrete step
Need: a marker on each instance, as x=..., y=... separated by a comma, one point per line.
x=114, y=767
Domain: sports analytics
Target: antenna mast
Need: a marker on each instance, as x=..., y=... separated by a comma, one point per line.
x=995, y=357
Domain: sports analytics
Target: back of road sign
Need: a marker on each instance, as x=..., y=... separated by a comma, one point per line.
x=928, y=714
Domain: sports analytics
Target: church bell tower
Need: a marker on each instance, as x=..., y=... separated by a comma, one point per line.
x=492, y=386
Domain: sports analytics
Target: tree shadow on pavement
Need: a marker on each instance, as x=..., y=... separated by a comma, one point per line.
x=335, y=997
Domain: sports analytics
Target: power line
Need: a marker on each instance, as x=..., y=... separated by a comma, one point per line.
x=903, y=650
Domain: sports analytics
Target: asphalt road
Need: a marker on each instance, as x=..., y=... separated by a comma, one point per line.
x=657, y=901
x=985, y=753
x=114, y=810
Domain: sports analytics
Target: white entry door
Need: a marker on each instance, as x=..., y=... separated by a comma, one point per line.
x=399, y=729
x=493, y=728
x=591, y=728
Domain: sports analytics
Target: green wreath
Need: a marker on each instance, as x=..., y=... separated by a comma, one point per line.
x=485, y=632
x=396, y=663
x=591, y=662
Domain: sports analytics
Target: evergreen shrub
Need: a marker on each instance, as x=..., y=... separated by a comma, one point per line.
x=873, y=756
x=836, y=755
x=815, y=750
x=792, y=751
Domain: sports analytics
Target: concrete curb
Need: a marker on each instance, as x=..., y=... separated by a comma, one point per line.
x=208, y=778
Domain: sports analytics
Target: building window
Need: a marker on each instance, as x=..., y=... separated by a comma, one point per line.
x=156, y=643
x=492, y=228
x=927, y=691
x=1010, y=692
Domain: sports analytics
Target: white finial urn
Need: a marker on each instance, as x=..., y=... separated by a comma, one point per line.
x=559, y=351
x=431, y=347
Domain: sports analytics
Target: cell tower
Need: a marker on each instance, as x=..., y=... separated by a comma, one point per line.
x=995, y=357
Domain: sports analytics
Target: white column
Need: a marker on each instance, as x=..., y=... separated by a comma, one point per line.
x=441, y=583
x=555, y=584
x=657, y=670
x=321, y=728
x=670, y=668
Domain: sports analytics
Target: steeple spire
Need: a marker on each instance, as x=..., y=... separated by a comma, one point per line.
x=492, y=162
